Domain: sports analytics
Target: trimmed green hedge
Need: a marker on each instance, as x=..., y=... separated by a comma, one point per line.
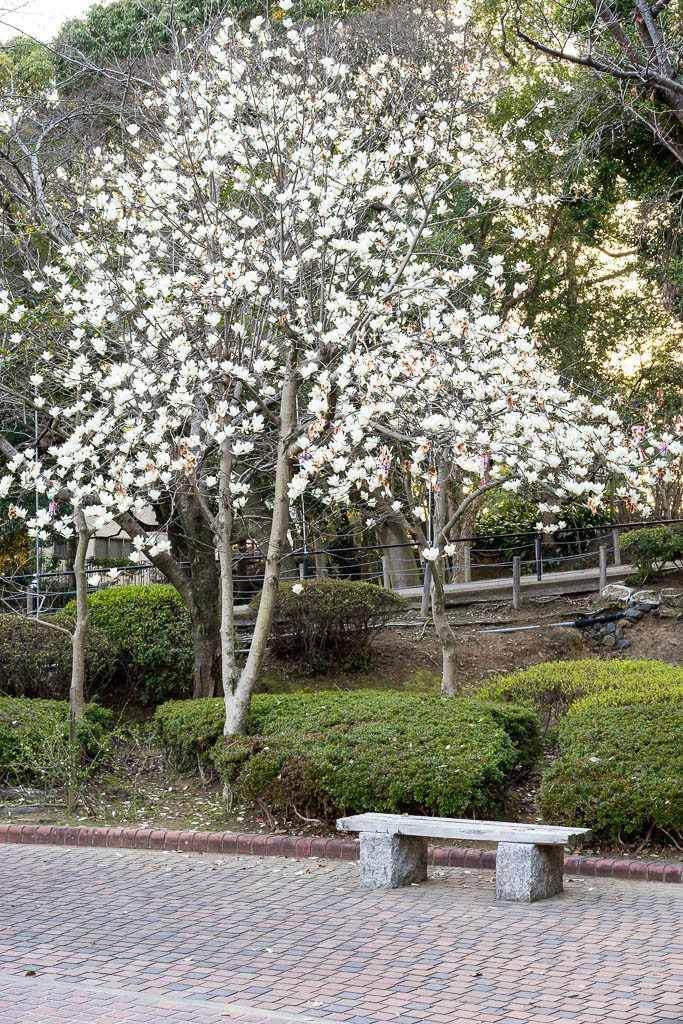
x=151, y=630
x=332, y=753
x=620, y=771
x=34, y=739
x=35, y=659
x=553, y=687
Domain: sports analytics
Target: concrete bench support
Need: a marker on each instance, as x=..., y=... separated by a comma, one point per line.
x=390, y=861
x=393, y=851
x=526, y=873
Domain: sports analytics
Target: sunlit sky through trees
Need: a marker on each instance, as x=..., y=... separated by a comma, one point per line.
x=38, y=18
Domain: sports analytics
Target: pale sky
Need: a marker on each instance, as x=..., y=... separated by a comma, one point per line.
x=39, y=18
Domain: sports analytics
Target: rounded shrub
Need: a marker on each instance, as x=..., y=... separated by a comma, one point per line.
x=35, y=659
x=554, y=687
x=151, y=630
x=332, y=753
x=620, y=771
x=330, y=621
x=34, y=739
x=651, y=548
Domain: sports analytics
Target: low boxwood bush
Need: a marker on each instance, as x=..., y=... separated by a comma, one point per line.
x=35, y=659
x=329, y=621
x=651, y=548
x=332, y=753
x=34, y=739
x=553, y=687
x=150, y=628
x=620, y=771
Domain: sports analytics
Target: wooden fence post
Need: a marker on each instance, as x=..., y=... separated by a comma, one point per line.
x=467, y=562
x=386, y=574
x=516, y=582
x=603, y=566
x=616, y=548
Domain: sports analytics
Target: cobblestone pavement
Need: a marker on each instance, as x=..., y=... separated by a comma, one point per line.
x=138, y=938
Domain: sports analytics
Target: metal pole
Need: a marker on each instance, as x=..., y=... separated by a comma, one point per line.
x=616, y=548
x=516, y=582
x=603, y=566
x=426, y=588
x=386, y=574
x=539, y=558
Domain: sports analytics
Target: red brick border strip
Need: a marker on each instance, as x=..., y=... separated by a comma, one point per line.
x=306, y=846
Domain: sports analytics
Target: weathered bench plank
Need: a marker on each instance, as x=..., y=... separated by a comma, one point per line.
x=464, y=828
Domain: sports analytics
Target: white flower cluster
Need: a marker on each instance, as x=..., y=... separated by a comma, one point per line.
x=276, y=219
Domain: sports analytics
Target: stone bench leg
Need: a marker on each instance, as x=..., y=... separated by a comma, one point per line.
x=387, y=862
x=526, y=873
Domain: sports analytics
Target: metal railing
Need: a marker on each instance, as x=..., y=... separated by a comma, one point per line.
x=476, y=560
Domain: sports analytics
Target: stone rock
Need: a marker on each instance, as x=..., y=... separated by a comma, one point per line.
x=609, y=641
x=388, y=862
x=615, y=592
x=650, y=597
x=622, y=642
x=608, y=627
x=643, y=606
x=632, y=615
x=526, y=873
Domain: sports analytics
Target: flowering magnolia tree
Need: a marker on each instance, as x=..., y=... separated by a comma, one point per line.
x=467, y=398
x=275, y=212
x=269, y=290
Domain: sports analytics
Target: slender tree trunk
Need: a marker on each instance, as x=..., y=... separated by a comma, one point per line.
x=238, y=698
x=77, y=688
x=449, y=674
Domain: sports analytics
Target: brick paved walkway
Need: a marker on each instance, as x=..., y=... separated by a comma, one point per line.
x=141, y=938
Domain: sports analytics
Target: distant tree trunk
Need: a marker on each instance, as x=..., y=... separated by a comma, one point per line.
x=403, y=566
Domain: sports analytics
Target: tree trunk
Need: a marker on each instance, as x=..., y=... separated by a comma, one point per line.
x=205, y=618
x=77, y=689
x=449, y=683
x=403, y=566
x=449, y=671
x=238, y=698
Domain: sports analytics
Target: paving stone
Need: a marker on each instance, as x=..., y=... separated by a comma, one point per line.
x=128, y=937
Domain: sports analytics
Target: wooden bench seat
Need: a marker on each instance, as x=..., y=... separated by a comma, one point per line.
x=529, y=862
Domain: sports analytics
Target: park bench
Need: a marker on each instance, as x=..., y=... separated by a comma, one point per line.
x=529, y=862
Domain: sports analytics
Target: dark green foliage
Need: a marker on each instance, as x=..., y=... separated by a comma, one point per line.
x=34, y=739
x=620, y=771
x=150, y=627
x=514, y=514
x=330, y=753
x=650, y=549
x=126, y=29
x=331, y=621
x=35, y=659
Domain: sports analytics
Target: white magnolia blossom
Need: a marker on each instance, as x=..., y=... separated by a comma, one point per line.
x=271, y=290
